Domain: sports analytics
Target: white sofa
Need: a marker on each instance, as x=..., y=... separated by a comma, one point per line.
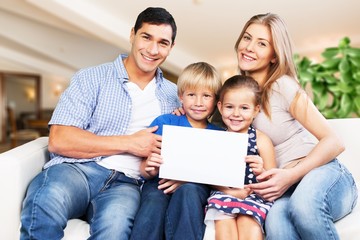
x=18, y=166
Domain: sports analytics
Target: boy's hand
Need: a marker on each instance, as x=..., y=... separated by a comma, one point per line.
x=169, y=186
x=152, y=164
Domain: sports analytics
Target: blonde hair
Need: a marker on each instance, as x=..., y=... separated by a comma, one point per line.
x=199, y=75
x=283, y=48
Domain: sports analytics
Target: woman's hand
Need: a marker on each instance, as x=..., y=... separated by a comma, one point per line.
x=169, y=186
x=256, y=163
x=273, y=183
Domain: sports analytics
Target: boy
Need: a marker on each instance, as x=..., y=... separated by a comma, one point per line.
x=198, y=87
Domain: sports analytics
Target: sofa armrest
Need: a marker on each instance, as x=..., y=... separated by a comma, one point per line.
x=18, y=167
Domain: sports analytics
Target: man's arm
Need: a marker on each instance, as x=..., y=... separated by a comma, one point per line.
x=78, y=143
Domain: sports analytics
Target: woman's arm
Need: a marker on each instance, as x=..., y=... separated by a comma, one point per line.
x=78, y=143
x=329, y=145
x=275, y=182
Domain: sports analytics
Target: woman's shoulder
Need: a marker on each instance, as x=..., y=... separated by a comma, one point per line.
x=285, y=82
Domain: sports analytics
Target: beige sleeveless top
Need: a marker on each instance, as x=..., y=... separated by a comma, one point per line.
x=290, y=138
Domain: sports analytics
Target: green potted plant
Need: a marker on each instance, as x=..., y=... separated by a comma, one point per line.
x=334, y=82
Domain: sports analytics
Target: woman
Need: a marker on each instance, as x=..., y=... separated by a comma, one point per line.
x=311, y=188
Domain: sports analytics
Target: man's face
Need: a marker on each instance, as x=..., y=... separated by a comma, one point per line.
x=150, y=46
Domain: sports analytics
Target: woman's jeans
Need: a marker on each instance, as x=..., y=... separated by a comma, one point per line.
x=309, y=210
x=173, y=216
x=107, y=199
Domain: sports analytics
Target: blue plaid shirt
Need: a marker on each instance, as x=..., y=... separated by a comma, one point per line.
x=98, y=101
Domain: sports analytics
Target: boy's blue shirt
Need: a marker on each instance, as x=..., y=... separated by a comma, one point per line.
x=174, y=120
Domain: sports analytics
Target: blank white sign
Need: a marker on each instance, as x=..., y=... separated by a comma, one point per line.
x=203, y=156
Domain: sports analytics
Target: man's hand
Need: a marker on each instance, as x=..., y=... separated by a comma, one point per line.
x=144, y=142
x=179, y=111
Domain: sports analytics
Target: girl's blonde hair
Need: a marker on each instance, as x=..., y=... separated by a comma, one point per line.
x=282, y=44
x=199, y=75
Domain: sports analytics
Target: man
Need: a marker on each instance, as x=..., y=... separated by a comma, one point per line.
x=98, y=137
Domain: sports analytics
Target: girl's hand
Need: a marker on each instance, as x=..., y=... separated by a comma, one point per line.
x=256, y=164
x=169, y=186
x=273, y=183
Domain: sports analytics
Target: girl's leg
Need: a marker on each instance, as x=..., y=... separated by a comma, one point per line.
x=226, y=229
x=248, y=228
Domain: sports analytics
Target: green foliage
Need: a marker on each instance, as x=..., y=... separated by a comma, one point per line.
x=335, y=82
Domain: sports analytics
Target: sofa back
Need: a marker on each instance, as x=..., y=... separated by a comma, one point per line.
x=348, y=129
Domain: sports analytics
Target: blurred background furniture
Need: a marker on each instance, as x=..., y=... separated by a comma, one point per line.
x=19, y=135
x=19, y=166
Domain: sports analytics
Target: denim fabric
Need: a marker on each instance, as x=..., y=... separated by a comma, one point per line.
x=107, y=199
x=186, y=212
x=149, y=221
x=308, y=210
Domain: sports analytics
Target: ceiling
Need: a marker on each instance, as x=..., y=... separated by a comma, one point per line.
x=60, y=36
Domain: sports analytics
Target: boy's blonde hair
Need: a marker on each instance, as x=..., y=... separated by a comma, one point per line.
x=199, y=75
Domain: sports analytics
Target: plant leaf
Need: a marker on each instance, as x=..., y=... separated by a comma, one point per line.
x=344, y=65
x=330, y=52
x=355, y=61
x=345, y=105
x=344, y=43
x=352, y=52
x=305, y=76
x=330, y=63
x=345, y=88
x=357, y=104
x=356, y=76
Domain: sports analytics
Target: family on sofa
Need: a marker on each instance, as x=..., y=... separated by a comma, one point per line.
x=100, y=140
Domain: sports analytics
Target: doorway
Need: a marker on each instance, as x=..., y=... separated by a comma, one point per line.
x=21, y=92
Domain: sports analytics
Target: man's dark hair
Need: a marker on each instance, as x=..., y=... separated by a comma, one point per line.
x=156, y=16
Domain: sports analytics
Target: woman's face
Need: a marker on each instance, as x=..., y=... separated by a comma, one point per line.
x=255, y=51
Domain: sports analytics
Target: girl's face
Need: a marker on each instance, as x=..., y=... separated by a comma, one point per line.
x=238, y=109
x=198, y=105
x=255, y=51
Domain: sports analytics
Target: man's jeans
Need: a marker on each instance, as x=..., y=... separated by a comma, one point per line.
x=308, y=210
x=107, y=199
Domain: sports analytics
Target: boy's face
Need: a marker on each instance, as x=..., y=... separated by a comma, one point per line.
x=150, y=46
x=198, y=105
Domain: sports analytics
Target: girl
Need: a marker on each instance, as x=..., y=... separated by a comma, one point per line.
x=310, y=184
x=240, y=213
